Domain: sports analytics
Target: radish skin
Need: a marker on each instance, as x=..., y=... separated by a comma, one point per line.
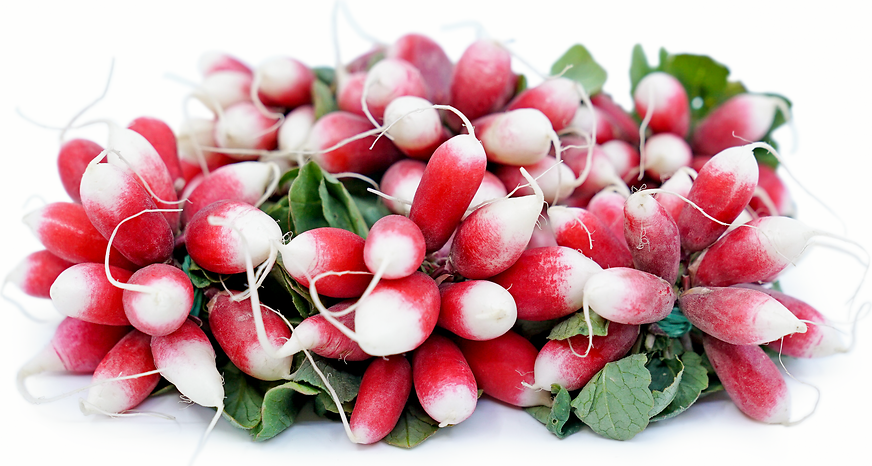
x=131, y=356
x=629, y=296
x=476, y=309
x=315, y=252
x=384, y=390
x=157, y=299
x=83, y=291
x=35, y=273
x=318, y=335
x=443, y=381
x=73, y=158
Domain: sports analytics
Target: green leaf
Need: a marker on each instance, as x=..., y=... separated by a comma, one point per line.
x=281, y=405
x=242, y=400
x=704, y=79
x=666, y=375
x=325, y=74
x=371, y=206
x=583, y=69
x=520, y=84
x=575, y=325
x=639, y=67
x=279, y=279
x=616, y=402
x=305, y=199
x=675, y=324
x=345, y=384
x=413, y=427
x=322, y=99
x=558, y=418
x=693, y=382
x=340, y=210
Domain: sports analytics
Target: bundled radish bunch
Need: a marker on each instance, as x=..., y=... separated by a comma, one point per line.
x=391, y=239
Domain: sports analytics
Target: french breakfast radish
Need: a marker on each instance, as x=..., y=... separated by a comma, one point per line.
x=476, y=309
x=430, y=59
x=331, y=147
x=131, y=361
x=314, y=252
x=73, y=158
x=35, y=273
x=744, y=117
x=223, y=88
x=316, y=334
x=517, y=137
x=415, y=126
x=583, y=231
x=283, y=82
x=665, y=98
x=249, y=181
x=83, y=291
x=443, y=381
x=384, y=390
x=388, y=79
x=652, y=236
x=558, y=98
x=664, y=154
x=482, y=81
x=243, y=126
x=399, y=182
x=157, y=299
x=394, y=247
x=159, y=134
x=629, y=296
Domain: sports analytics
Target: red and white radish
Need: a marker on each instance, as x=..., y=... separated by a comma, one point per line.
x=629, y=296
x=652, y=236
x=558, y=98
x=483, y=80
x=443, y=381
x=124, y=378
x=430, y=59
x=243, y=126
x=73, y=158
x=664, y=154
x=83, y=291
x=388, y=79
x=283, y=82
x=384, y=390
x=159, y=134
x=400, y=182
x=157, y=299
x=316, y=334
x=476, y=309
x=223, y=88
x=335, y=145
x=583, y=231
x=516, y=137
x=414, y=125
x=315, y=252
x=394, y=247
x=742, y=118
x=663, y=97
x=250, y=182
x=35, y=273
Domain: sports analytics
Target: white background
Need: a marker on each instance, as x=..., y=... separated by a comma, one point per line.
x=55, y=59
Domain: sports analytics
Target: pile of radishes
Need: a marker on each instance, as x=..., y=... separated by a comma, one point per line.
x=400, y=235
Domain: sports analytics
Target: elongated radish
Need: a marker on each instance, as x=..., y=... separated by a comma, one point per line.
x=679, y=183
x=608, y=206
x=215, y=60
x=295, y=128
x=592, y=168
x=624, y=126
x=157, y=299
x=744, y=117
x=476, y=309
x=665, y=98
x=777, y=200
x=443, y=381
x=400, y=182
x=35, y=273
x=194, y=136
x=218, y=236
x=414, y=126
x=491, y=188
x=483, y=81
x=430, y=59
x=517, y=137
x=283, y=82
x=722, y=189
x=547, y=283
x=652, y=236
x=250, y=182
x=583, y=231
x=130, y=357
x=328, y=150
x=316, y=334
x=314, y=252
x=73, y=158
x=629, y=296
x=243, y=126
x=385, y=81
x=232, y=323
x=77, y=346
x=384, y=390
x=624, y=157
x=664, y=154
x=64, y=229
x=448, y=185
x=83, y=291
x=159, y=134
x=560, y=361
x=557, y=98
x=582, y=124
x=556, y=179
x=751, y=380
x=494, y=236
x=503, y=369
x=223, y=88
x=738, y=315
x=349, y=89
x=395, y=246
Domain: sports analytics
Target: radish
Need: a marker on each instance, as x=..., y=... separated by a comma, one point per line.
x=547, y=282
x=491, y=189
x=482, y=82
x=334, y=150
x=415, y=126
x=219, y=235
x=623, y=156
x=214, y=60
x=448, y=185
x=384, y=390
x=243, y=126
x=77, y=346
x=494, y=236
x=516, y=137
x=556, y=179
x=349, y=89
x=157, y=299
x=629, y=296
x=283, y=82
x=161, y=137
x=772, y=196
x=400, y=182
x=583, y=231
x=476, y=309
x=443, y=381
x=124, y=378
x=738, y=315
x=558, y=98
x=665, y=98
x=722, y=189
x=558, y=362
x=608, y=206
x=316, y=334
x=64, y=229
x=394, y=247
x=751, y=380
x=250, y=182
x=73, y=157
x=664, y=154
x=744, y=117
x=503, y=369
x=295, y=128
x=679, y=183
x=624, y=125
x=388, y=79
x=652, y=236
x=232, y=324
x=315, y=252
x=194, y=135
x=223, y=88
x=35, y=273
x=430, y=59
x=592, y=168
x=582, y=124
x=83, y=291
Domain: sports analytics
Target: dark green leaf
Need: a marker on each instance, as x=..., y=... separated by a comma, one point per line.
x=371, y=206
x=345, y=384
x=520, y=84
x=413, y=427
x=693, y=382
x=279, y=279
x=616, y=402
x=530, y=329
x=281, y=405
x=575, y=325
x=704, y=79
x=675, y=324
x=340, y=210
x=581, y=68
x=322, y=99
x=558, y=419
x=666, y=375
x=305, y=199
x=639, y=67
x=242, y=400
x=325, y=74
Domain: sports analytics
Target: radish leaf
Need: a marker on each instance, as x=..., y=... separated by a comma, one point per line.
x=616, y=402
x=583, y=69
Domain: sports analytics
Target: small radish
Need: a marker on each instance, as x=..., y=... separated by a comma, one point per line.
x=430, y=59
x=394, y=248
x=664, y=154
x=214, y=60
x=333, y=149
x=83, y=291
x=321, y=250
x=221, y=89
x=316, y=334
x=623, y=124
x=295, y=128
x=592, y=168
x=582, y=124
x=400, y=181
x=250, y=182
x=283, y=82
x=744, y=117
x=73, y=158
x=547, y=283
x=63, y=229
x=665, y=98
x=77, y=346
x=560, y=362
x=130, y=357
x=738, y=315
x=476, y=309
x=652, y=236
x=448, y=185
x=219, y=235
x=494, y=236
x=194, y=136
x=556, y=179
x=583, y=231
x=163, y=139
x=415, y=126
x=35, y=273
x=491, y=189
x=503, y=369
x=608, y=206
x=679, y=183
x=384, y=390
x=517, y=137
x=349, y=90
x=722, y=189
x=751, y=379
x=243, y=126
x=443, y=381
x=157, y=299
x=385, y=81
x=483, y=80
x=629, y=296
x=777, y=200
x=558, y=98
x=624, y=157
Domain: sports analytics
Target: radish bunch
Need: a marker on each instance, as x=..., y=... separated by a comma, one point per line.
x=395, y=237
